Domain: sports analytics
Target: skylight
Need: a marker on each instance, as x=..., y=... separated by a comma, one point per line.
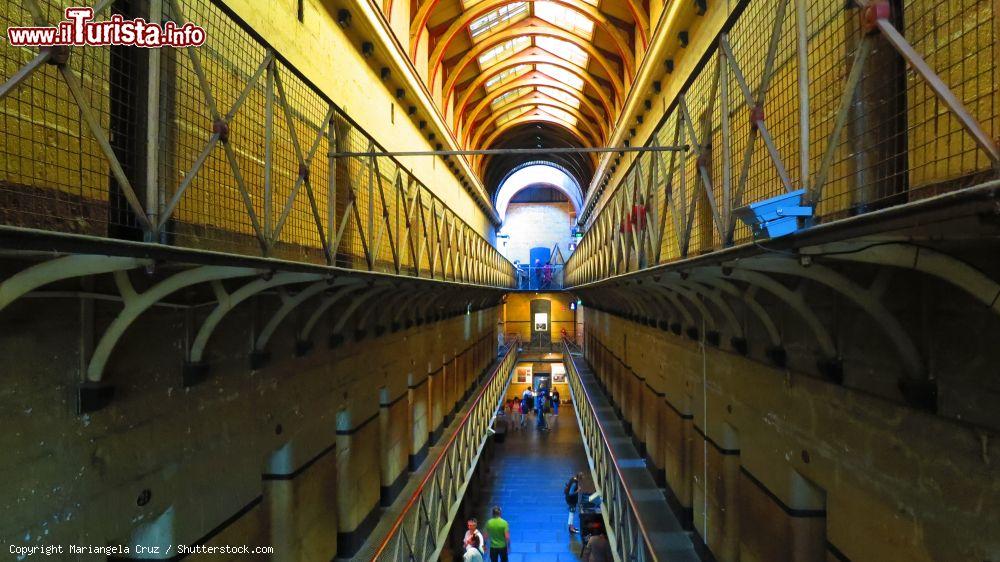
x=505, y=75
x=559, y=114
x=562, y=75
x=566, y=18
x=560, y=95
x=501, y=16
x=563, y=49
x=509, y=96
x=513, y=114
x=500, y=52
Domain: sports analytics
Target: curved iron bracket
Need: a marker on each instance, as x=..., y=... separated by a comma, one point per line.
x=136, y=304
x=336, y=333
x=291, y=303
x=865, y=299
x=227, y=302
x=748, y=299
x=60, y=269
x=925, y=260
x=323, y=307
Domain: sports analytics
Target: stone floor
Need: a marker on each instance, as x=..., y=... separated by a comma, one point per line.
x=526, y=480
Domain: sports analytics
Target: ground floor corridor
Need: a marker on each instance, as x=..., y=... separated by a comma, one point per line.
x=526, y=478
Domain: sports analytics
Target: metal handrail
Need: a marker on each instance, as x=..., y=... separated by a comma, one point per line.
x=757, y=130
x=638, y=547
x=240, y=153
x=437, y=500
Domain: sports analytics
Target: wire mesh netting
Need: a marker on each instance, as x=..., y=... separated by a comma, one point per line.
x=879, y=134
x=56, y=176
x=244, y=157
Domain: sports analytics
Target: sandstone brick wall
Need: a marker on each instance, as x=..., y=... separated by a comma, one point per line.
x=248, y=456
x=772, y=465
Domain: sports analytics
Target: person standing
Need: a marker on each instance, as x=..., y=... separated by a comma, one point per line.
x=525, y=408
x=500, y=338
x=472, y=532
x=540, y=406
x=598, y=548
x=498, y=533
x=555, y=405
x=572, y=493
x=472, y=550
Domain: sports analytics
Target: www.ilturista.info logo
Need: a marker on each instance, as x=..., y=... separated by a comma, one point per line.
x=80, y=29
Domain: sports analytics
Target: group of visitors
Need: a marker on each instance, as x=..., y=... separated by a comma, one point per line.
x=537, y=276
x=544, y=404
x=497, y=537
x=496, y=534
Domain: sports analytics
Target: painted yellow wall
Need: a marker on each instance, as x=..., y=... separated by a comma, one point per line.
x=895, y=483
x=319, y=49
x=517, y=314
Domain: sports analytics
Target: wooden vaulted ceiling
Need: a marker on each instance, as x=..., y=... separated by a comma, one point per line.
x=530, y=73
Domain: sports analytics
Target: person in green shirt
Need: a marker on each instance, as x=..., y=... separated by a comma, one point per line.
x=498, y=537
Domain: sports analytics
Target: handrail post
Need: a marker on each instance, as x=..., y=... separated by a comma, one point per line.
x=153, y=191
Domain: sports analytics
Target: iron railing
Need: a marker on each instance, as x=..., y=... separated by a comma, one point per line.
x=867, y=106
x=539, y=278
x=421, y=530
x=221, y=147
x=630, y=541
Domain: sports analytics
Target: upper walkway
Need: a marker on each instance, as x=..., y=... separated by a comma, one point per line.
x=820, y=104
x=629, y=485
x=239, y=159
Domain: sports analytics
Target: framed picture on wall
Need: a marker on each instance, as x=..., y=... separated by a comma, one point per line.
x=522, y=375
x=541, y=322
x=558, y=373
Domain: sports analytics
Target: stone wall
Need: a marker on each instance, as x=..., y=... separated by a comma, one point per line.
x=295, y=455
x=771, y=465
x=533, y=225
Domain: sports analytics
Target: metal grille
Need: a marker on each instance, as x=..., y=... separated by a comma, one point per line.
x=56, y=176
x=242, y=157
x=896, y=101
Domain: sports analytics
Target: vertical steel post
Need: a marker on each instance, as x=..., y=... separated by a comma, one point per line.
x=153, y=194
x=331, y=197
x=727, y=174
x=802, y=36
x=268, y=150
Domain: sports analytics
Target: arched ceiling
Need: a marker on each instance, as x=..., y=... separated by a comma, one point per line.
x=530, y=73
x=531, y=135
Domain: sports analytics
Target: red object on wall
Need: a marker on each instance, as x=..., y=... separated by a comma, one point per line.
x=638, y=216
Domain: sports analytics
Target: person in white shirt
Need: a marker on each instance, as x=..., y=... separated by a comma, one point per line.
x=472, y=552
x=473, y=533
